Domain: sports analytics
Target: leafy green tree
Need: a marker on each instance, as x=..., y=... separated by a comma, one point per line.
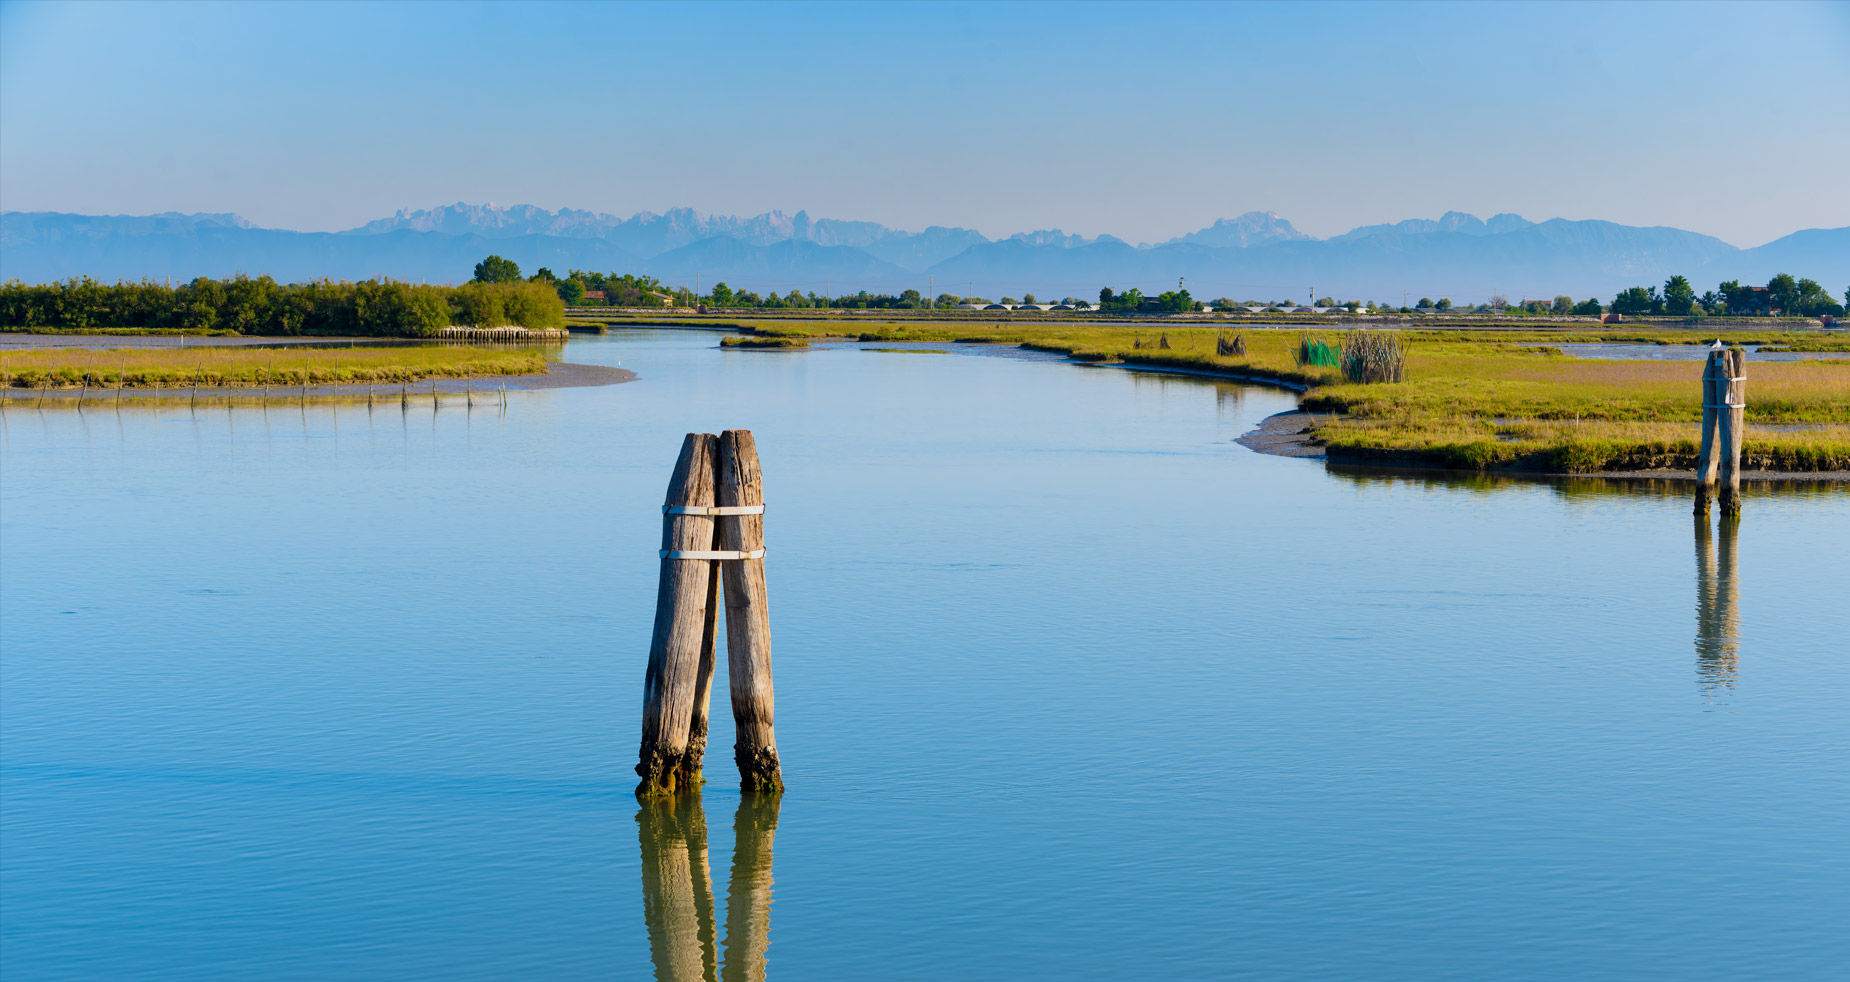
x=1588, y=306
x=1027, y=298
x=1812, y=300
x=1783, y=294
x=946, y=300
x=572, y=291
x=1425, y=302
x=1635, y=301
x=1679, y=297
x=1562, y=305
x=721, y=295
x=1445, y=303
x=495, y=269
x=1710, y=301
x=911, y=299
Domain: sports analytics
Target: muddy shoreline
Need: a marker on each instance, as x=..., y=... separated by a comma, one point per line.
x=1287, y=434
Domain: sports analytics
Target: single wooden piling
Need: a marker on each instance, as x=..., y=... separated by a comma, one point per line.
x=680, y=621
x=1733, y=416
x=1712, y=397
x=748, y=616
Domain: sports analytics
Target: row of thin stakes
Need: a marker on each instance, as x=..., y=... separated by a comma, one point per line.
x=712, y=539
x=1724, y=426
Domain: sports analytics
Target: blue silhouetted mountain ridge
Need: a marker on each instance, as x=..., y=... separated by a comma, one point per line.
x=1258, y=255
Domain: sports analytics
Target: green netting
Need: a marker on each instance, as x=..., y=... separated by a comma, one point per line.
x=1318, y=353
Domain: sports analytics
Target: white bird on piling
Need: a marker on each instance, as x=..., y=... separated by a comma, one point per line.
x=1717, y=346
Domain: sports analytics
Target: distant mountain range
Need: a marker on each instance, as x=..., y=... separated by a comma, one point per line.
x=1255, y=256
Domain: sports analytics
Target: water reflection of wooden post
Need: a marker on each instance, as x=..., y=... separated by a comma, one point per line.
x=748, y=615
x=748, y=894
x=1718, y=628
x=677, y=889
x=1724, y=400
x=680, y=621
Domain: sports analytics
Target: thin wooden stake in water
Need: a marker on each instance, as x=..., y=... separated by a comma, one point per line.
x=1733, y=428
x=1712, y=393
x=748, y=617
x=680, y=623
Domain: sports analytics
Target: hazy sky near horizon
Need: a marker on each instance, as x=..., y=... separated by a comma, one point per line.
x=1144, y=121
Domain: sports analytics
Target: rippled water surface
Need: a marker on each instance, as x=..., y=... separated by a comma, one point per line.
x=1069, y=686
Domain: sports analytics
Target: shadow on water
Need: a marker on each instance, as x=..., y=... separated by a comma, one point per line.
x=677, y=889
x=1718, y=595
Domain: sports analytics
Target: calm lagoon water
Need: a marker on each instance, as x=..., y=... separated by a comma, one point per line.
x=1070, y=686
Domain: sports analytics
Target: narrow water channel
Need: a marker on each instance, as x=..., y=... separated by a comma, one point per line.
x=1070, y=685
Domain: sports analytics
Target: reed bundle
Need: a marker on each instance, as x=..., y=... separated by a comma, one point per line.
x=1225, y=346
x=1373, y=356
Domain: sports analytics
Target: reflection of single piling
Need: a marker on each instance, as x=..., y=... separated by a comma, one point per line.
x=1718, y=625
x=748, y=892
x=677, y=889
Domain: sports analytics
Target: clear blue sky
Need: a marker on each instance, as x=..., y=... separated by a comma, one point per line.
x=1144, y=121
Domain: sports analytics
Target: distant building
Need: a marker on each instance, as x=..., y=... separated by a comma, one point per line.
x=997, y=306
x=594, y=295
x=968, y=306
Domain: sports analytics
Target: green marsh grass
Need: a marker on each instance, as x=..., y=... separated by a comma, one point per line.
x=247, y=367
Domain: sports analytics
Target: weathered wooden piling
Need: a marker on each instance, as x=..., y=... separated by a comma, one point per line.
x=695, y=758
x=1724, y=410
x=680, y=619
x=748, y=614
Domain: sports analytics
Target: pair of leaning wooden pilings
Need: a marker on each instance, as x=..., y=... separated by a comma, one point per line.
x=710, y=549
x=1724, y=426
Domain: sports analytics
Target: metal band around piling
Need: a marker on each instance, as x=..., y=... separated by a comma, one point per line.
x=713, y=510
x=1724, y=405
x=711, y=554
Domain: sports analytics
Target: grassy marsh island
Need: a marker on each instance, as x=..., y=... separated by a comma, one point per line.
x=764, y=342
x=1476, y=400
x=248, y=367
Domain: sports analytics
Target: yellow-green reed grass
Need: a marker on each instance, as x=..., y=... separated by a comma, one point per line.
x=1486, y=382
x=241, y=367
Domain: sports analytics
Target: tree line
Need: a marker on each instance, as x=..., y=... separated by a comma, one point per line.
x=1783, y=295
x=369, y=308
